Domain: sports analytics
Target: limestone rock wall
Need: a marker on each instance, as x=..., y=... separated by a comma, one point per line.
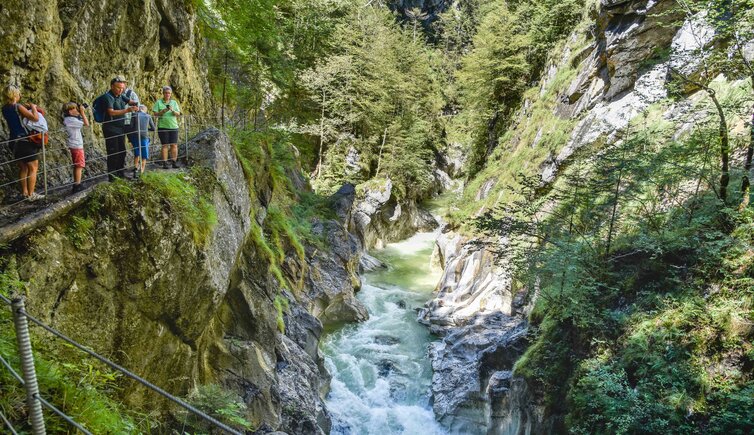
x=481, y=317
x=58, y=51
x=377, y=217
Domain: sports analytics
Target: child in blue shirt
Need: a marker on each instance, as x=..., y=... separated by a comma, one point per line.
x=141, y=125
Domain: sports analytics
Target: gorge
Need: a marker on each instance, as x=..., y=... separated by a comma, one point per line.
x=445, y=216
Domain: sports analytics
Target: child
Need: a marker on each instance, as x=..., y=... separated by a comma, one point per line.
x=141, y=125
x=74, y=118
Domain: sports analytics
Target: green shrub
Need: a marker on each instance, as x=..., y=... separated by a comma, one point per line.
x=186, y=193
x=219, y=403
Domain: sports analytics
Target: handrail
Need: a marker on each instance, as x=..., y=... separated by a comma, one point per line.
x=114, y=366
x=45, y=170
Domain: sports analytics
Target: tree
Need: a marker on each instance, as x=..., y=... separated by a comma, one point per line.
x=720, y=29
x=379, y=93
x=509, y=50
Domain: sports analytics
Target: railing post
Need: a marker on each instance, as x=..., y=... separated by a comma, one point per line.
x=186, y=121
x=44, y=162
x=27, y=366
x=137, y=170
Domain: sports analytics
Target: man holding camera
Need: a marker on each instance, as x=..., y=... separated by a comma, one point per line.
x=114, y=127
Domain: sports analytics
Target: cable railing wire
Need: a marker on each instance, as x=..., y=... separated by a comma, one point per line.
x=116, y=367
x=41, y=400
x=90, y=178
x=13, y=373
x=132, y=375
x=155, y=147
x=8, y=424
x=61, y=414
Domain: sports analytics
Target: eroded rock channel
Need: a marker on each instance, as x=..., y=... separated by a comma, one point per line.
x=381, y=375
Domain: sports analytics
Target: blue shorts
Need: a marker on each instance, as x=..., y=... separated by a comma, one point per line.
x=142, y=150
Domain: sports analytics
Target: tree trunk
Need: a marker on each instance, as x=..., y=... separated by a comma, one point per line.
x=746, y=183
x=491, y=133
x=616, y=198
x=724, y=147
x=379, y=158
x=225, y=80
x=321, y=135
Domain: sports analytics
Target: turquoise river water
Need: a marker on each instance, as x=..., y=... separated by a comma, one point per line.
x=381, y=373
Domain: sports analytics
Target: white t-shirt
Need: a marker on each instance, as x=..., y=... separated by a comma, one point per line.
x=131, y=95
x=73, y=126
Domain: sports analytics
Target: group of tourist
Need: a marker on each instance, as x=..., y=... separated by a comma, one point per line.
x=122, y=116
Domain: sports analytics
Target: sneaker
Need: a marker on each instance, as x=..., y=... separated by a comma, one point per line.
x=136, y=174
x=164, y=164
x=175, y=164
x=35, y=197
x=77, y=188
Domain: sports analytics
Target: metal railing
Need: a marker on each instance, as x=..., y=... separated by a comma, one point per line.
x=46, y=170
x=36, y=402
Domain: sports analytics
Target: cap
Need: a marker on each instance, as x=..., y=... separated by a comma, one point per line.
x=118, y=79
x=167, y=88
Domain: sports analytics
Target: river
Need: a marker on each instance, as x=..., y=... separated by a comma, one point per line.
x=381, y=375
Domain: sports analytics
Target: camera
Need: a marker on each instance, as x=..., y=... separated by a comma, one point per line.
x=84, y=105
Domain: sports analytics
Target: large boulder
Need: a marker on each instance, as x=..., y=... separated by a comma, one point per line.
x=125, y=269
x=378, y=217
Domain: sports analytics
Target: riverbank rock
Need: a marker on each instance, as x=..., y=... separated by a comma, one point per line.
x=378, y=217
x=332, y=277
x=483, y=331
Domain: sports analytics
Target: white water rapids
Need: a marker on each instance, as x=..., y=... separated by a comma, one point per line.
x=380, y=370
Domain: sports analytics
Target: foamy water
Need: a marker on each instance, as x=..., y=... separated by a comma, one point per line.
x=381, y=373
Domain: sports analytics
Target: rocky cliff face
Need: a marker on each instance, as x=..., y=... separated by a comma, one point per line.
x=124, y=275
x=617, y=73
x=377, y=217
x=69, y=50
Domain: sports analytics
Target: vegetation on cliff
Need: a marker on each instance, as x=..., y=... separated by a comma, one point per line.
x=61, y=378
x=642, y=269
x=638, y=252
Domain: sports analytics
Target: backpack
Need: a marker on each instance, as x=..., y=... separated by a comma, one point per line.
x=36, y=129
x=99, y=108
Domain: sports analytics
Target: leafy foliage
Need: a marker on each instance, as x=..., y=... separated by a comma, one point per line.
x=638, y=327
x=379, y=99
x=218, y=403
x=84, y=389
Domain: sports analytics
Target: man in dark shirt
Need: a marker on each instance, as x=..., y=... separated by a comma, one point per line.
x=114, y=127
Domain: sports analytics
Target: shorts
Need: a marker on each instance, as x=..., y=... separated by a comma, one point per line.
x=26, y=151
x=168, y=136
x=142, y=150
x=77, y=156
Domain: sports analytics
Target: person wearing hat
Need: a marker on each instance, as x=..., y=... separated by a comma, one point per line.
x=114, y=127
